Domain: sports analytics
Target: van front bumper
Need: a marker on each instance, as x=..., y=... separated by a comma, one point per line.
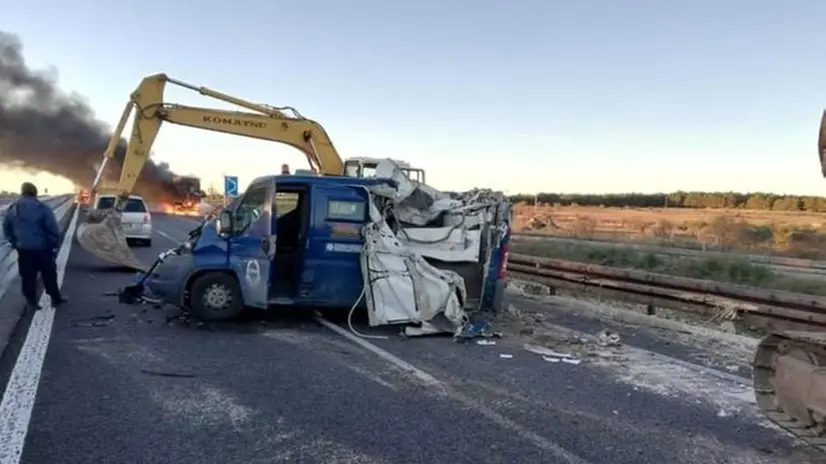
x=168, y=281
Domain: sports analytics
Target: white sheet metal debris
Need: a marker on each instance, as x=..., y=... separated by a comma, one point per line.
x=551, y=355
x=408, y=223
x=608, y=337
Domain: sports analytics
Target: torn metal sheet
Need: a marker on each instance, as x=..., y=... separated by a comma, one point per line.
x=411, y=221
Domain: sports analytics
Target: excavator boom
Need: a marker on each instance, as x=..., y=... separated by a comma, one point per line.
x=261, y=122
x=102, y=234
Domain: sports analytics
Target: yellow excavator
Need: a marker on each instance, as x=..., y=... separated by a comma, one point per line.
x=102, y=233
x=790, y=369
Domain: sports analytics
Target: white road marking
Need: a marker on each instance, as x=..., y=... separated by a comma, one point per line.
x=426, y=378
x=18, y=400
x=429, y=380
x=167, y=236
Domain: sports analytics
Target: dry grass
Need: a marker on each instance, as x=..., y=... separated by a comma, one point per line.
x=794, y=234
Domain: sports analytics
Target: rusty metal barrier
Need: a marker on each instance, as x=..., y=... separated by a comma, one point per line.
x=763, y=308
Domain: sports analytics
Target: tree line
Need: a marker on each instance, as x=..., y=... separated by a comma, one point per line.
x=733, y=200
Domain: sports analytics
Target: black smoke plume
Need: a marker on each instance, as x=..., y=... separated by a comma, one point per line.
x=44, y=129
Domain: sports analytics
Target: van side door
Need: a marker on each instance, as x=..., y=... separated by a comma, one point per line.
x=332, y=270
x=252, y=246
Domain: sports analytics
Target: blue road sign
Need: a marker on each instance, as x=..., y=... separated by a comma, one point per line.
x=231, y=186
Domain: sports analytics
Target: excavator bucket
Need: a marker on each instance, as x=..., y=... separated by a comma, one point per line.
x=102, y=235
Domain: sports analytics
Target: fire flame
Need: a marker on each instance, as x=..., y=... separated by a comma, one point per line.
x=186, y=209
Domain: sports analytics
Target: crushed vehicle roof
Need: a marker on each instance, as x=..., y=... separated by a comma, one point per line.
x=338, y=180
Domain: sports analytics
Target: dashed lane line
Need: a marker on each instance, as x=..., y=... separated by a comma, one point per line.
x=167, y=236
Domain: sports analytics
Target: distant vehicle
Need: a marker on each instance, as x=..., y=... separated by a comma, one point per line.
x=189, y=193
x=137, y=220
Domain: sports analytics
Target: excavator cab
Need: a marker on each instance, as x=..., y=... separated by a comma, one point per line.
x=366, y=167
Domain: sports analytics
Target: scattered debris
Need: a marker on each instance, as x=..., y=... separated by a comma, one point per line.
x=608, y=337
x=514, y=311
x=552, y=356
x=506, y=356
x=485, y=342
x=479, y=329
x=541, y=350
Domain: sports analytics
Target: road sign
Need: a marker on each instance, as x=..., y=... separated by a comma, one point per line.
x=231, y=186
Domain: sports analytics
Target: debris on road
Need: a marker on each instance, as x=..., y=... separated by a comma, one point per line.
x=552, y=356
x=479, y=329
x=541, y=350
x=485, y=342
x=608, y=338
x=506, y=356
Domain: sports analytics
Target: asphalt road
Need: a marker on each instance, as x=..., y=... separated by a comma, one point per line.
x=123, y=384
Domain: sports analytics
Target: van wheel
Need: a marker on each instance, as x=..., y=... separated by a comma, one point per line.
x=215, y=296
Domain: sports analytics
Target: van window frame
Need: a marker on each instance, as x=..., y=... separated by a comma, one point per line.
x=136, y=200
x=350, y=219
x=100, y=198
x=243, y=200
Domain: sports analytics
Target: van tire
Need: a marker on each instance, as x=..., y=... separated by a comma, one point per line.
x=215, y=297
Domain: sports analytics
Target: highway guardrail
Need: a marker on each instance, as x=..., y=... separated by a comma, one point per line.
x=758, y=308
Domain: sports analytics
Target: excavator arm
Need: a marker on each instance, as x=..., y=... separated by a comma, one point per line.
x=102, y=233
x=261, y=122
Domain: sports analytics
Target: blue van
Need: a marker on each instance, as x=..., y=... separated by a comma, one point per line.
x=296, y=241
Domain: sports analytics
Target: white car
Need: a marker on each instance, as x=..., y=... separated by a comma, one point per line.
x=137, y=220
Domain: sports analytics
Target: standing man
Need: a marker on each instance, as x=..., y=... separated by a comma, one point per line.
x=31, y=229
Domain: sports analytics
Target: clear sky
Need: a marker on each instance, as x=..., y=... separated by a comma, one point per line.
x=520, y=95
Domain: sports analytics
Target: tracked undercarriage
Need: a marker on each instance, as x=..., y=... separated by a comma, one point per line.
x=790, y=383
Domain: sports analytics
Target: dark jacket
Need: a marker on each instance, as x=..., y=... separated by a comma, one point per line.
x=31, y=225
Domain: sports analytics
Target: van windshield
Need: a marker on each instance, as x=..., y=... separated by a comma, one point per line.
x=106, y=202
x=134, y=205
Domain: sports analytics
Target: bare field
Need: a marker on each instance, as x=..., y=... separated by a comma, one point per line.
x=794, y=234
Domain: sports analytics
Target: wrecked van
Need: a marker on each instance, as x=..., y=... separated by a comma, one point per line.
x=406, y=252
